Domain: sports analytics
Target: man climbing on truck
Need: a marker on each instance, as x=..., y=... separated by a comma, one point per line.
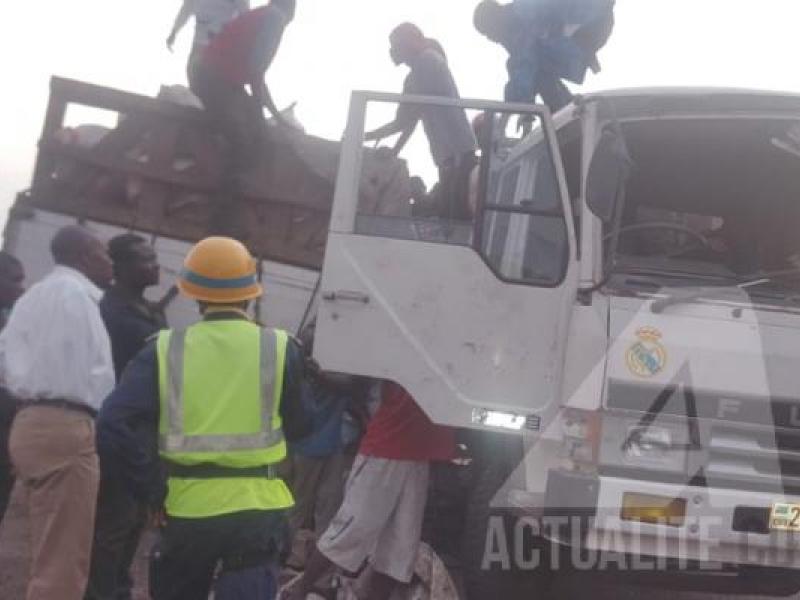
x=547, y=41
x=385, y=496
x=210, y=16
x=237, y=58
x=448, y=130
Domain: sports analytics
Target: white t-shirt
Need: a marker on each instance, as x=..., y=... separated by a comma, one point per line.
x=211, y=16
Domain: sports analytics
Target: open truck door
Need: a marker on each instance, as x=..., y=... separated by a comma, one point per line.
x=469, y=315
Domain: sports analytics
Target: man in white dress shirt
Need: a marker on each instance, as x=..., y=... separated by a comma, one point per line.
x=210, y=16
x=55, y=358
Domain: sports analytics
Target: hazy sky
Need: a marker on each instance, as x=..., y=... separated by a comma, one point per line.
x=335, y=46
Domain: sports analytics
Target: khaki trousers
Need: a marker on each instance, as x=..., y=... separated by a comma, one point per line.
x=53, y=453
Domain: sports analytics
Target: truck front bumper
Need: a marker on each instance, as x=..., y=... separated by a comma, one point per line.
x=719, y=527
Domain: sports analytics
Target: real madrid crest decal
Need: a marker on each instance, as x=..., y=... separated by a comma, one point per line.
x=647, y=356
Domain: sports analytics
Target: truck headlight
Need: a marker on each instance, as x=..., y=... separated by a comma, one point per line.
x=498, y=419
x=581, y=440
x=647, y=442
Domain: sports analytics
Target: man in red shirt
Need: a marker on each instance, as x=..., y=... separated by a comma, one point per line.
x=238, y=57
x=381, y=516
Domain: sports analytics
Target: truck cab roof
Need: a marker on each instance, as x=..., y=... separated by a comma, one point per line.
x=654, y=101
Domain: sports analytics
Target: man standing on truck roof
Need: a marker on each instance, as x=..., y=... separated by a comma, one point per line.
x=547, y=41
x=12, y=276
x=448, y=130
x=218, y=400
x=55, y=358
x=237, y=57
x=385, y=497
x=210, y=16
x=131, y=320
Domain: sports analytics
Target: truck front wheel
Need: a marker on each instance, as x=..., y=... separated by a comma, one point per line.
x=491, y=548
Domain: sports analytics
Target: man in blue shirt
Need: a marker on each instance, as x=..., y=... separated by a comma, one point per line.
x=318, y=464
x=547, y=41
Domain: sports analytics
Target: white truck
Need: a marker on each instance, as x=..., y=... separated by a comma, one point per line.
x=617, y=329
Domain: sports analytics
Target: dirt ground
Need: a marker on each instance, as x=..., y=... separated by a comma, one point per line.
x=14, y=570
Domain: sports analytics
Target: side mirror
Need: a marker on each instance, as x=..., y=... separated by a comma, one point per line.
x=608, y=175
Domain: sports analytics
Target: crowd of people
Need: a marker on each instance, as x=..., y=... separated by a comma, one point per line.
x=210, y=433
x=112, y=422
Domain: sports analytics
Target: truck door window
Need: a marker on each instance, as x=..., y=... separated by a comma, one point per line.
x=503, y=200
x=524, y=237
x=420, y=184
x=496, y=226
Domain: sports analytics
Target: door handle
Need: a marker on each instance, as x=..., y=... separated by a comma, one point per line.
x=346, y=295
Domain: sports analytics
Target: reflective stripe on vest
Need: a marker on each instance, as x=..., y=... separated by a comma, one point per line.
x=176, y=441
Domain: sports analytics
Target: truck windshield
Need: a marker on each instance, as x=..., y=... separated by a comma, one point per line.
x=712, y=200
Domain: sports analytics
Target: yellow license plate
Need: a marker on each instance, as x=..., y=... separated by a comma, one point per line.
x=785, y=517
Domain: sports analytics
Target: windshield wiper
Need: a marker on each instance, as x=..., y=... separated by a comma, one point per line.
x=660, y=274
x=755, y=280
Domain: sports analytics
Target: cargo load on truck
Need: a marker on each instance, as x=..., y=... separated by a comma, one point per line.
x=157, y=171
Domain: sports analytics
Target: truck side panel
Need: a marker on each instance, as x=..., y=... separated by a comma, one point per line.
x=288, y=289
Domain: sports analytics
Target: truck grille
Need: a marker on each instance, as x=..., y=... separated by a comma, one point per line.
x=753, y=458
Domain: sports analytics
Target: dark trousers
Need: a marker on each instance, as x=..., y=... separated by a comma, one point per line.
x=454, y=187
x=554, y=93
x=8, y=408
x=184, y=560
x=118, y=527
x=236, y=114
x=256, y=583
x=6, y=487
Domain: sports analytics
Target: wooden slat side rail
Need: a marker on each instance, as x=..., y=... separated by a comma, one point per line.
x=160, y=174
x=65, y=91
x=87, y=94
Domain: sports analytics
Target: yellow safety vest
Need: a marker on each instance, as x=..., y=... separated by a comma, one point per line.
x=220, y=385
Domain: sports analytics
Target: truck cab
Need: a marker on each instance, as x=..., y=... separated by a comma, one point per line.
x=622, y=309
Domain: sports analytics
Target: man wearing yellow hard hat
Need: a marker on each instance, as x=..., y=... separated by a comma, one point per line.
x=212, y=406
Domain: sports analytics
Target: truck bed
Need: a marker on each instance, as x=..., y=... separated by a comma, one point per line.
x=158, y=170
